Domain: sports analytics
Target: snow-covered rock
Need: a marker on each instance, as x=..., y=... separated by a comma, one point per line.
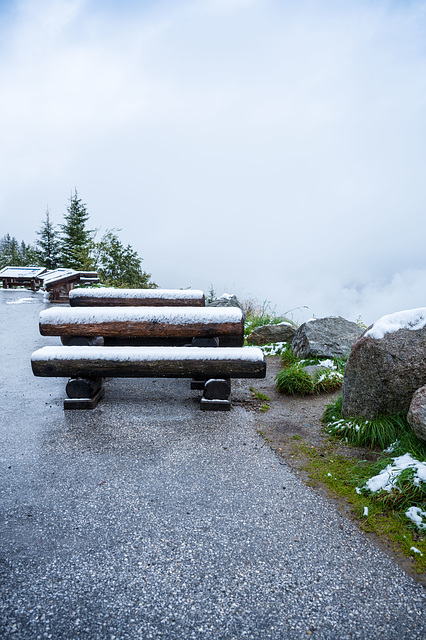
x=387, y=364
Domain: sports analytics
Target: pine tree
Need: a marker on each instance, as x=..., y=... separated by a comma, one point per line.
x=15, y=254
x=76, y=240
x=119, y=266
x=48, y=244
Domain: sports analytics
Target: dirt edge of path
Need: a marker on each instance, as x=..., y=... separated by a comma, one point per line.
x=290, y=418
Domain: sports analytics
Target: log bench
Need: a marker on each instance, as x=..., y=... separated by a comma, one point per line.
x=87, y=366
x=109, y=297
x=145, y=326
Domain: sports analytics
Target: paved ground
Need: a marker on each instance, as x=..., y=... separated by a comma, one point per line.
x=147, y=518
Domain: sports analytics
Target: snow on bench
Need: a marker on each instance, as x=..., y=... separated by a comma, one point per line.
x=143, y=322
x=87, y=366
x=108, y=297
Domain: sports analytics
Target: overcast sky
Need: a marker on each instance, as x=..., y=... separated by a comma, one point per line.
x=272, y=148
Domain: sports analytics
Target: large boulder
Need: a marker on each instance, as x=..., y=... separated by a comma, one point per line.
x=281, y=332
x=417, y=413
x=387, y=364
x=325, y=337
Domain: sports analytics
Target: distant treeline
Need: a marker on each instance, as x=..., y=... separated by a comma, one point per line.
x=72, y=245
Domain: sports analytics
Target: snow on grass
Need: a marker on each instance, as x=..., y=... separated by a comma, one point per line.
x=413, y=319
x=273, y=349
x=334, y=375
x=416, y=515
x=415, y=550
x=387, y=477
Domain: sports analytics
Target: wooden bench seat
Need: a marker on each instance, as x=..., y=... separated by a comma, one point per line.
x=87, y=366
x=108, y=297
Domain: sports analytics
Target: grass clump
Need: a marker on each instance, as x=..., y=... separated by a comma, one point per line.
x=381, y=432
x=396, y=483
x=295, y=381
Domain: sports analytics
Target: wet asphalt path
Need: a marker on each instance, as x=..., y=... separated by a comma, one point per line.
x=147, y=518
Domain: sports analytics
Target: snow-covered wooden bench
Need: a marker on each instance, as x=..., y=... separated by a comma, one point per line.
x=108, y=297
x=88, y=366
x=145, y=326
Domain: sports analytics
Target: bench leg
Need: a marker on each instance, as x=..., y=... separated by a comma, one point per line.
x=198, y=383
x=216, y=395
x=84, y=393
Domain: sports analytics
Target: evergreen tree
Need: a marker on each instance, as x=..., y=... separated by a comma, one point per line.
x=119, y=266
x=76, y=240
x=15, y=254
x=48, y=244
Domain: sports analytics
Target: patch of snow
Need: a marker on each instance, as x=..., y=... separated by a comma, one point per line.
x=21, y=301
x=416, y=515
x=273, y=349
x=413, y=319
x=328, y=363
x=365, y=511
x=386, y=478
x=415, y=550
x=332, y=375
x=391, y=447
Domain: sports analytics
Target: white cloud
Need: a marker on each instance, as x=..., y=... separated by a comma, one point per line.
x=277, y=148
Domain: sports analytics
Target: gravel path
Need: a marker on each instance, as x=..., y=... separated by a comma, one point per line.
x=148, y=518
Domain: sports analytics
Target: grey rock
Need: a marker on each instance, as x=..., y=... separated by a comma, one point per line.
x=417, y=413
x=226, y=300
x=325, y=337
x=382, y=374
x=282, y=332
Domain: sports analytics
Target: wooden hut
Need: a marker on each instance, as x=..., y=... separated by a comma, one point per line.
x=60, y=282
x=31, y=277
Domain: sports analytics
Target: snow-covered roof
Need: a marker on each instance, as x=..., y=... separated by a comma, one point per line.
x=21, y=272
x=58, y=274
x=109, y=292
x=143, y=354
x=164, y=315
x=413, y=319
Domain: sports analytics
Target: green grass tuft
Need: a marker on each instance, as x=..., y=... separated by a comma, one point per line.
x=287, y=356
x=381, y=432
x=295, y=381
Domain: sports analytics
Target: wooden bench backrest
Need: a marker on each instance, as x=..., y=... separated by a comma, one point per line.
x=106, y=297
